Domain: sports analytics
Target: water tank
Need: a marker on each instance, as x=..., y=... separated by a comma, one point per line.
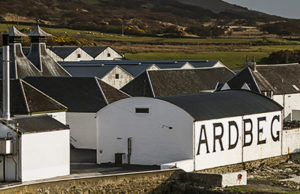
x=6, y=146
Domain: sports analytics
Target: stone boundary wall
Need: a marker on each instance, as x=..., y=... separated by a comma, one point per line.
x=146, y=182
x=164, y=181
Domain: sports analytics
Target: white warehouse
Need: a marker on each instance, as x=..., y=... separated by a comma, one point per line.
x=190, y=130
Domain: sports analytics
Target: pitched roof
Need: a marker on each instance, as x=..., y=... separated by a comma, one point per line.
x=136, y=70
x=203, y=63
x=285, y=78
x=36, y=124
x=78, y=94
x=44, y=62
x=88, y=70
x=244, y=76
x=176, y=65
x=63, y=51
x=38, y=32
x=94, y=51
x=14, y=32
x=222, y=104
x=25, y=99
x=177, y=82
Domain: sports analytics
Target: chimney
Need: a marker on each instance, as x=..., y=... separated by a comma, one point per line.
x=254, y=64
x=6, y=78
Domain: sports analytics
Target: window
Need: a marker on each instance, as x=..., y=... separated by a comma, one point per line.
x=117, y=76
x=108, y=55
x=141, y=110
x=78, y=55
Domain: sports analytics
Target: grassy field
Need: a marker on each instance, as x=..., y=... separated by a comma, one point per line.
x=232, y=52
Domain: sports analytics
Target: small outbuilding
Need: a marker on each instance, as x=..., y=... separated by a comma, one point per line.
x=193, y=132
x=34, y=147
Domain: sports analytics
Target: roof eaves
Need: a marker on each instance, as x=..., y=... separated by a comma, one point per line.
x=149, y=80
x=100, y=88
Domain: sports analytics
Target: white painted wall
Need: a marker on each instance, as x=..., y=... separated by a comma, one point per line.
x=124, y=77
x=54, y=56
x=289, y=102
x=186, y=165
x=271, y=148
x=242, y=152
x=187, y=65
x=219, y=64
x=152, y=141
x=217, y=157
x=45, y=155
x=290, y=141
x=82, y=129
x=108, y=54
x=74, y=56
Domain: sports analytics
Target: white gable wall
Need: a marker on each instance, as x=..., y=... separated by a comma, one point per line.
x=82, y=129
x=45, y=155
x=108, y=54
x=187, y=65
x=219, y=64
x=123, y=77
x=289, y=102
x=78, y=55
x=153, y=142
x=54, y=56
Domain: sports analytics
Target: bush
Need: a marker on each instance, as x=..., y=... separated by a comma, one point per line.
x=281, y=57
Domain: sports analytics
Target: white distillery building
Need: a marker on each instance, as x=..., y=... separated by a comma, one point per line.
x=194, y=131
x=28, y=151
x=83, y=97
x=280, y=82
x=102, y=53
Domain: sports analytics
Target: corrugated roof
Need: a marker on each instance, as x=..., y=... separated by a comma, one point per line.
x=37, y=124
x=223, y=104
x=63, y=51
x=78, y=94
x=177, y=82
x=25, y=99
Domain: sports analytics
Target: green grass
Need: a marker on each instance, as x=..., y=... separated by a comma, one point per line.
x=118, y=37
x=234, y=58
x=230, y=59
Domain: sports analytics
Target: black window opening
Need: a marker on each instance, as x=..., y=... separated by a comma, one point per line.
x=108, y=55
x=141, y=110
x=117, y=76
x=78, y=55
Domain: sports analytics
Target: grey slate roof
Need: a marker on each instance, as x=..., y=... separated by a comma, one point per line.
x=78, y=94
x=222, y=104
x=94, y=51
x=176, y=65
x=177, y=82
x=205, y=63
x=26, y=99
x=284, y=78
x=63, y=51
x=88, y=70
x=36, y=124
x=244, y=76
